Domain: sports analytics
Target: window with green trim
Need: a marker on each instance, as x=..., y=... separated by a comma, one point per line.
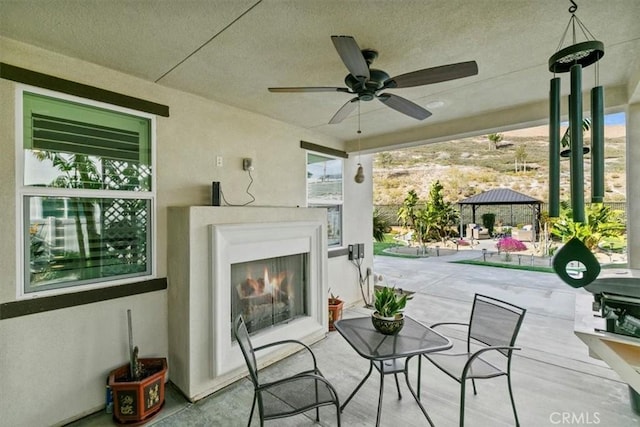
x=86, y=194
x=324, y=190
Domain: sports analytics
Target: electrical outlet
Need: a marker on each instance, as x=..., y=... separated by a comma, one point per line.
x=247, y=164
x=360, y=250
x=219, y=161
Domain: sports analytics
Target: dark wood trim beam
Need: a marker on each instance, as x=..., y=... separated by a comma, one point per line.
x=12, y=309
x=33, y=78
x=334, y=253
x=324, y=150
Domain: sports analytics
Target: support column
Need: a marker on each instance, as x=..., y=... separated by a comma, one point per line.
x=633, y=190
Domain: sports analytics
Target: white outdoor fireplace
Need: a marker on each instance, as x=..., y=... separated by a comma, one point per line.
x=271, y=274
x=268, y=264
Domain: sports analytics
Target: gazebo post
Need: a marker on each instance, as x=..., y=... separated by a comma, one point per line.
x=461, y=222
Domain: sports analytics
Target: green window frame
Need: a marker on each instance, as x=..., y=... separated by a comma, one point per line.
x=86, y=194
x=325, y=189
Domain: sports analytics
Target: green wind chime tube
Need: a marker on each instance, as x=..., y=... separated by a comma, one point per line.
x=554, y=148
x=597, y=144
x=577, y=155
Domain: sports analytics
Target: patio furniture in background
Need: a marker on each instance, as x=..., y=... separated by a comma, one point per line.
x=390, y=354
x=288, y=396
x=492, y=328
x=524, y=234
x=475, y=231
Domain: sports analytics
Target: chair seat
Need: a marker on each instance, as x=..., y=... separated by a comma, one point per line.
x=453, y=364
x=294, y=396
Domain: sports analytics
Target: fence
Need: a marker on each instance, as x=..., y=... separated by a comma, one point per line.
x=506, y=214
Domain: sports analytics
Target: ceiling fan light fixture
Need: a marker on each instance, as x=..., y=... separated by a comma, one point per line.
x=359, y=178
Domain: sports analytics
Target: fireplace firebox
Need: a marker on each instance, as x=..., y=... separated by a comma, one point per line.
x=271, y=291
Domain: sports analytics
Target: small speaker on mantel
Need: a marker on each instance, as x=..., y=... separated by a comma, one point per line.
x=215, y=193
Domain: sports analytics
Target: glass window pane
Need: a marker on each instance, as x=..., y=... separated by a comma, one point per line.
x=324, y=190
x=71, y=145
x=80, y=240
x=334, y=225
x=324, y=179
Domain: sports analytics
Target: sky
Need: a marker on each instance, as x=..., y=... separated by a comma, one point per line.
x=614, y=119
x=609, y=119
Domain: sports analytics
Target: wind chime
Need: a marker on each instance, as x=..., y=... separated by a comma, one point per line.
x=359, y=178
x=573, y=59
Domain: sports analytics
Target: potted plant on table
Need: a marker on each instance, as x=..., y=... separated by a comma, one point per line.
x=335, y=310
x=389, y=304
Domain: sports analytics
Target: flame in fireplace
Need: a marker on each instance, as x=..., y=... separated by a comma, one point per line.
x=274, y=284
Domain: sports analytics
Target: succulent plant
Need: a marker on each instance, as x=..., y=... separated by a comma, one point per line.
x=388, y=302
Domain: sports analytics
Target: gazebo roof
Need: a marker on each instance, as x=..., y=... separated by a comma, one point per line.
x=500, y=196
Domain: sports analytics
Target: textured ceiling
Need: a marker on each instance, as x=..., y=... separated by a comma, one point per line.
x=232, y=50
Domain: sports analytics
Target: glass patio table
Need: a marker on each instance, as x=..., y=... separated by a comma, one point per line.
x=390, y=354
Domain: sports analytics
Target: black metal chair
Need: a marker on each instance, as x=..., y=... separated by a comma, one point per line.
x=492, y=328
x=287, y=396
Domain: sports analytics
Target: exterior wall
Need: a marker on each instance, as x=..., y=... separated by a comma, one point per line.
x=633, y=190
x=358, y=228
x=53, y=365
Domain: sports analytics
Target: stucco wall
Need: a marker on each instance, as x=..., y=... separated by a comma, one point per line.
x=53, y=365
x=633, y=190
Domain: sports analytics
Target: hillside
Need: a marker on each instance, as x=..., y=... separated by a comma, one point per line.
x=469, y=166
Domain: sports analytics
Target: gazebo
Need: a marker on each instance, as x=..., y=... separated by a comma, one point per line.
x=500, y=196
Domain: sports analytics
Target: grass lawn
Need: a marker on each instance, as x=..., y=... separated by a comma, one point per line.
x=389, y=242
x=502, y=265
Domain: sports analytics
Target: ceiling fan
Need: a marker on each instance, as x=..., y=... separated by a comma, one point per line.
x=367, y=83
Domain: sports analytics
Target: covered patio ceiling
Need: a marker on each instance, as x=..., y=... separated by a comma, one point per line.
x=232, y=51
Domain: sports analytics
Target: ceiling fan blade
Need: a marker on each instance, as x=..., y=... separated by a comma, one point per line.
x=344, y=111
x=309, y=89
x=404, y=106
x=351, y=56
x=428, y=76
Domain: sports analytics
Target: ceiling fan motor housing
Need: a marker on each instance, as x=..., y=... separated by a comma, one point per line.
x=366, y=90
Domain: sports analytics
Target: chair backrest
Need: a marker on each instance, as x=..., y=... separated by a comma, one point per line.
x=242, y=337
x=494, y=322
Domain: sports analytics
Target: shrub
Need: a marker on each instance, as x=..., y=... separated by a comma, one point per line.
x=509, y=244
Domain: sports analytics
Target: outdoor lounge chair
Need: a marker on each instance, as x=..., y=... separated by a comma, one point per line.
x=286, y=396
x=493, y=328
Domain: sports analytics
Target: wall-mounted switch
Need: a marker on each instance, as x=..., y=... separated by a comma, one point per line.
x=247, y=164
x=360, y=250
x=352, y=256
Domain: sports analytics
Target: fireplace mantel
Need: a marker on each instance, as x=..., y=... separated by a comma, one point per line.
x=195, y=259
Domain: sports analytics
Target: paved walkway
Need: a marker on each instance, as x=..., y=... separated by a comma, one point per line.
x=555, y=381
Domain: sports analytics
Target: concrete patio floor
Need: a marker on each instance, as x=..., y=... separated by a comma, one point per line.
x=555, y=381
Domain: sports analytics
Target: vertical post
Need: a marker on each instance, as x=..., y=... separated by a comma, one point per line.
x=132, y=362
x=597, y=144
x=554, y=149
x=577, y=155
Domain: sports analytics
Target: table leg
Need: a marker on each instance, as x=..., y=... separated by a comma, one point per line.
x=380, y=397
x=398, y=386
x=358, y=387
